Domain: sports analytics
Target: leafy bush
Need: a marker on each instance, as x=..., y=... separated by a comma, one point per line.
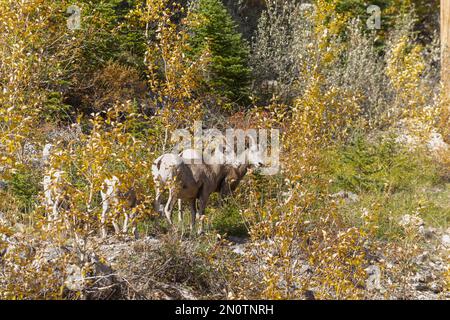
x=228, y=220
x=55, y=110
x=110, y=84
x=25, y=187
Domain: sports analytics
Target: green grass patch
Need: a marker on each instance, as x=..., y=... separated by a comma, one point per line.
x=227, y=219
x=380, y=166
x=389, y=180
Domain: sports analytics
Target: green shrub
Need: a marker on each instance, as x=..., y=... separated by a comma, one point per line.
x=24, y=186
x=228, y=220
x=391, y=181
x=54, y=108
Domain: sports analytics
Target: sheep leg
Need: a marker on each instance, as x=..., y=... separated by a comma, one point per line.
x=55, y=210
x=180, y=216
x=169, y=206
x=180, y=212
x=116, y=226
x=133, y=225
x=201, y=212
x=157, y=203
x=129, y=223
x=193, y=215
x=125, y=222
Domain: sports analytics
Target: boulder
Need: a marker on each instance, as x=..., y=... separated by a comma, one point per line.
x=373, y=281
x=94, y=280
x=348, y=196
x=446, y=240
x=437, y=143
x=411, y=221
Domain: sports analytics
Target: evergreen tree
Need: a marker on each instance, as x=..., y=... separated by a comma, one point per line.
x=215, y=31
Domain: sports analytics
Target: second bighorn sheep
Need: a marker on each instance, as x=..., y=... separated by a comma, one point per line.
x=111, y=196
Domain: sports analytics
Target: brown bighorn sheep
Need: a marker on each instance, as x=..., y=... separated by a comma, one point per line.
x=183, y=183
x=189, y=181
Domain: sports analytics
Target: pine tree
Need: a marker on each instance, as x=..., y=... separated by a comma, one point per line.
x=216, y=32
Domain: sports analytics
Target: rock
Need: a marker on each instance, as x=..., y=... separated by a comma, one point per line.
x=238, y=249
x=422, y=287
x=21, y=251
x=423, y=257
x=348, y=196
x=48, y=254
x=309, y=295
x=428, y=233
x=95, y=280
x=74, y=279
x=238, y=240
x=446, y=240
x=425, y=277
x=437, y=143
x=373, y=281
x=407, y=140
x=305, y=268
x=411, y=221
x=3, y=185
x=436, y=288
x=173, y=292
x=52, y=253
x=3, y=220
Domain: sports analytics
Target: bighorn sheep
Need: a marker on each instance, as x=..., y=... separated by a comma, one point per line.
x=54, y=198
x=111, y=197
x=170, y=171
x=189, y=181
